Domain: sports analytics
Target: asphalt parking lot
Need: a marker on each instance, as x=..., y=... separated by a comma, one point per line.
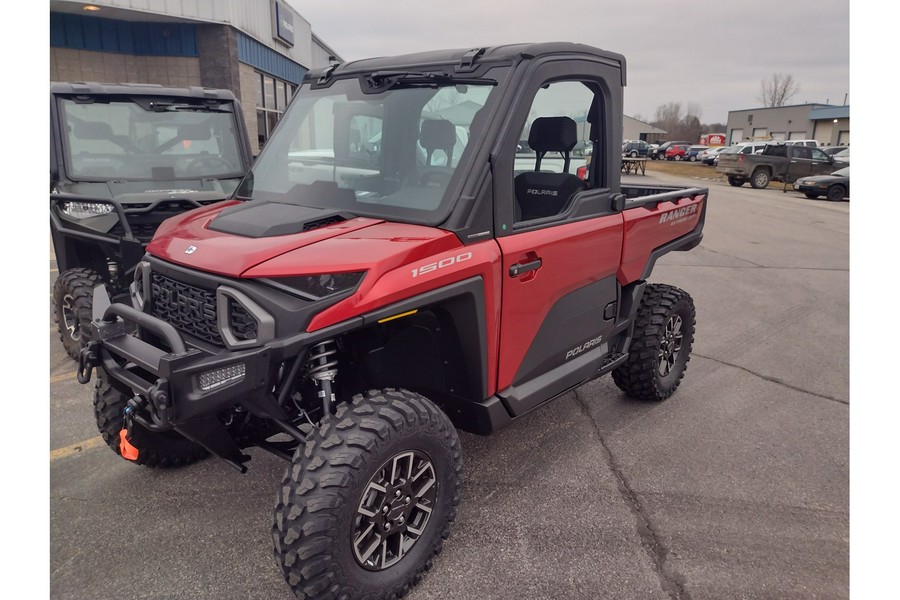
x=735, y=488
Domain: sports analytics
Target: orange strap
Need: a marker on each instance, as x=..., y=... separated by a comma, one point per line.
x=127, y=451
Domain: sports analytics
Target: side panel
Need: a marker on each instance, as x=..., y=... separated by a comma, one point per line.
x=649, y=227
x=573, y=256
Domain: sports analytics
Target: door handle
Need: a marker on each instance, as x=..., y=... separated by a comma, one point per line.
x=519, y=268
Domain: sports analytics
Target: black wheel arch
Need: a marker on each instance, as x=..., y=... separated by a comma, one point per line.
x=434, y=344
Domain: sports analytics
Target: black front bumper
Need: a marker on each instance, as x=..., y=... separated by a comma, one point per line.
x=186, y=386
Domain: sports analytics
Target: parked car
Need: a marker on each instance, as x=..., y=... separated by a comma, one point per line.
x=660, y=151
x=635, y=148
x=677, y=151
x=834, y=149
x=708, y=156
x=843, y=156
x=693, y=153
x=834, y=187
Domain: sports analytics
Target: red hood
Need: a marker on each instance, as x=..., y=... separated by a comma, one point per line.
x=358, y=244
x=229, y=254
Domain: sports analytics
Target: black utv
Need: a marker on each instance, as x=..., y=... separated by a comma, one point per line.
x=123, y=158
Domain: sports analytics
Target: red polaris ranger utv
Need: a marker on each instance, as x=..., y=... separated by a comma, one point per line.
x=391, y=270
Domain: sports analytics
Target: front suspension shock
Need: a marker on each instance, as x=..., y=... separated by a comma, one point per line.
x=322, y=369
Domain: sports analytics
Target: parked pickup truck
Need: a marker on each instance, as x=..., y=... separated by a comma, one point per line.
x=777, y=162
x=348, y=313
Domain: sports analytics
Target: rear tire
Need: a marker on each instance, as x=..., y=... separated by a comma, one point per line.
x=73, y=296
x=759, y=180
x=661, y=346
x=736, y=181
x=162, y=450
x=633, y=154
x=836, y=193
x=364, y=507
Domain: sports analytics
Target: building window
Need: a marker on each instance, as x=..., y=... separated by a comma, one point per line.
x=272, y=97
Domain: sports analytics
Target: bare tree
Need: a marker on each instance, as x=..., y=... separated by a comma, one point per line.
x=777, y=89
x=680, y=123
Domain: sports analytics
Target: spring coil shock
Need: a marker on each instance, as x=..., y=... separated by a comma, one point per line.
x=322, y=368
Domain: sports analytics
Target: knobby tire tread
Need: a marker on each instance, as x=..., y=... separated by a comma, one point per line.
x=325, y=475
x=638, y=376
x=80, y=284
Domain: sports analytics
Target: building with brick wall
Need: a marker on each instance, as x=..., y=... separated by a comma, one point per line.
x=258, y=49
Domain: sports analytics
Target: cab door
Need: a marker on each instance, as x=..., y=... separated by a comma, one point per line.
x=559, y=290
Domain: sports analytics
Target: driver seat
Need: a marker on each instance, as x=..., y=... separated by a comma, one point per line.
x=437, y=134
x=541, y=193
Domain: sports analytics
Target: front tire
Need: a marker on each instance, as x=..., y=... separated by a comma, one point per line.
x=836, y=193
x=162, y=450
x=661, y=346
x=364, y=507
x=73, y=296
x=811, y=195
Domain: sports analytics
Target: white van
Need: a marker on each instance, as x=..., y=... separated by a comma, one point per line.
x=812, y=143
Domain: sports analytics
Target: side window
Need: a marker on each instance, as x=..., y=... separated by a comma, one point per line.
x=819, y=155
x=802, y=152
x=554, y=150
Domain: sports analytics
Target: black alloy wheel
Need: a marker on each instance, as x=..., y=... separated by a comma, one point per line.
x=394, y=510
x=670, y=346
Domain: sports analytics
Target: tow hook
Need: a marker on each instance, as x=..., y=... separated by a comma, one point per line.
x=87, y=360
x=126, y=449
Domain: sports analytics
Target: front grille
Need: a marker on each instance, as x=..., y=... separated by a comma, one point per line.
x=193, y=310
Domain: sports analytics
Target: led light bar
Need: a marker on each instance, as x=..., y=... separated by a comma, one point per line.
x=219, y=377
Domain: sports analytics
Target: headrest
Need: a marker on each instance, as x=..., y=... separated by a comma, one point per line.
x=91, y=130
x=437, y=134
x=553, y=134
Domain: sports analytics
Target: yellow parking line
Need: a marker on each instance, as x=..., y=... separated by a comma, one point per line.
x=75, y=448
x=62, y=377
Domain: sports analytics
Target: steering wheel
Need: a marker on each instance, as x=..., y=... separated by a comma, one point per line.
x=210, y=161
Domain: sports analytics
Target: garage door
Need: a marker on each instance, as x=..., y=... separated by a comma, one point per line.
x=737, y=135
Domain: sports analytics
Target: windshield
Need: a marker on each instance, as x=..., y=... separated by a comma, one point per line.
x=122, y=140
x=389, y=155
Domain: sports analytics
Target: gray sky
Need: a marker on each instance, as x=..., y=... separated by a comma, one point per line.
x=714, y=54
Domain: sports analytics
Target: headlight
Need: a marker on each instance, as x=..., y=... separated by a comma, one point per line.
x=83, y=210
x=316, y=287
